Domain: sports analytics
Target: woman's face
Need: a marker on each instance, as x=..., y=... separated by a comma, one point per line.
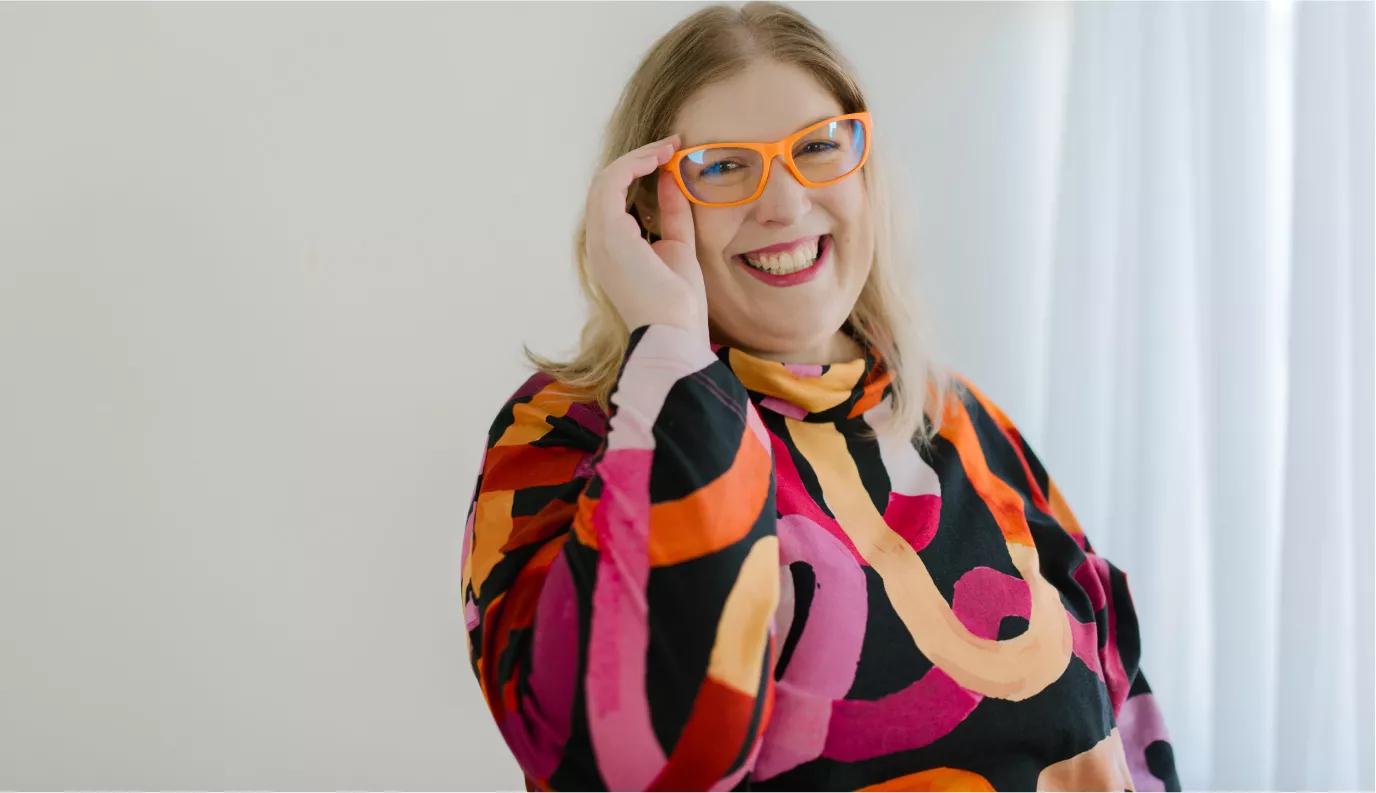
x=765, y=103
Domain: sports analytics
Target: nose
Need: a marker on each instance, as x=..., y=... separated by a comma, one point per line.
x=784, y=200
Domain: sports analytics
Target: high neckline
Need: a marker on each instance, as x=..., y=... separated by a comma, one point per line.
x=809, y=391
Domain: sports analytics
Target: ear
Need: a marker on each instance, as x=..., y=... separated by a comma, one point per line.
x=645, y=202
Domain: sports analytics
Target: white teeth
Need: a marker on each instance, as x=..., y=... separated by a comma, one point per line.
x=784, y=263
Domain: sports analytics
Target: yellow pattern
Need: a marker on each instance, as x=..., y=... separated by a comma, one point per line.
x=1012, y=669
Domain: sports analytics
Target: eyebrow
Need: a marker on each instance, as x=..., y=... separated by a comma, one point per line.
x=805, y=125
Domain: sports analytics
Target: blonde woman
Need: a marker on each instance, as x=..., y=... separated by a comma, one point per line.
x=752, y=536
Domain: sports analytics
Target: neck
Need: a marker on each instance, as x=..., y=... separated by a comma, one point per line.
x=838, y=348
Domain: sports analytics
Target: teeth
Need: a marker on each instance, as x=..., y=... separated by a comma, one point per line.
x=784, y=263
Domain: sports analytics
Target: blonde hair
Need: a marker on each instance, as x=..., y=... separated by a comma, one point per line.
x=713, y=44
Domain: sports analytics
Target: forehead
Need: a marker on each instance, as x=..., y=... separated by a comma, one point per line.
x=765, y=102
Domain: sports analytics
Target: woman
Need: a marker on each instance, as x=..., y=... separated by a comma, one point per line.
x=752, y=537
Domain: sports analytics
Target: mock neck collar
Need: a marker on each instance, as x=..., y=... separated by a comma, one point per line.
x=810, y=391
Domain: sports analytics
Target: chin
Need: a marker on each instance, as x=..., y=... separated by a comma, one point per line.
x=782, y=335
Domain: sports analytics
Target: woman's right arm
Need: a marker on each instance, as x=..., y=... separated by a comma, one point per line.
x=619, y=591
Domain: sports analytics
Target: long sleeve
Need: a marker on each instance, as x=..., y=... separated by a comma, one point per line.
x=1141, y=724
x=620, y=576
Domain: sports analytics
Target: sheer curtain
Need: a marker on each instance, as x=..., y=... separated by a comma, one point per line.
x=1207, y=377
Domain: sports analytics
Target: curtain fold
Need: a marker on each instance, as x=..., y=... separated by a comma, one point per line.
x=1208, y=368
x=1324, y=696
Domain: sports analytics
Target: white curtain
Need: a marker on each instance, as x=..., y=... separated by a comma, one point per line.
x=1208, y=370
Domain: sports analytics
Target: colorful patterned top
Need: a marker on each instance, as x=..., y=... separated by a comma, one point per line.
x=724, y=586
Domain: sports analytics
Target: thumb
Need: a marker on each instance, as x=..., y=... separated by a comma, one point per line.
x=677, y=248
x=675, y=212
x=677, y=245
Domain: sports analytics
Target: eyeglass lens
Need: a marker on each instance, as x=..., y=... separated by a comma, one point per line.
x=725, y=174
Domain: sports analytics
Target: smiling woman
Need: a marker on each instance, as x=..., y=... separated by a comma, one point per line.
x=752, y=537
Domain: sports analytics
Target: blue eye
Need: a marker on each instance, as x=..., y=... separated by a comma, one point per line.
x=711, y=169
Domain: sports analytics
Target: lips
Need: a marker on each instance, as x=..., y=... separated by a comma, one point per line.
x=822, y=241
x=783, y=246
x=792, y=279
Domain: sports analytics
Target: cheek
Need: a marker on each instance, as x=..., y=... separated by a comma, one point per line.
x=856, y=244
x=711, y=255
x=852, y=229
x=855, y=258
x=713, y=241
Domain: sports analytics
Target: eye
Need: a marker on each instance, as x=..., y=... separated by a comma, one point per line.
x=713, y=169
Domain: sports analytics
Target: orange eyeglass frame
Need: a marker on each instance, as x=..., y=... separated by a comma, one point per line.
x=781, y=148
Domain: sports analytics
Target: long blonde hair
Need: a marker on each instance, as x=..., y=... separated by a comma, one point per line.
x=716, y=43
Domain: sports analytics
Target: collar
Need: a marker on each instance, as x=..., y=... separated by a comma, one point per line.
x=810, y=391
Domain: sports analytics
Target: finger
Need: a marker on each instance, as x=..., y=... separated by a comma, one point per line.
x=675, y=212
x=673, y=139
x=658, y=150
x=618, y=176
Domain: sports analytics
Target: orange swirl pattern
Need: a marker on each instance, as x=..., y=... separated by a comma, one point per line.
x=722, y=585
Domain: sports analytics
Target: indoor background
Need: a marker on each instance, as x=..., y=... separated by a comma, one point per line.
x=266, y=271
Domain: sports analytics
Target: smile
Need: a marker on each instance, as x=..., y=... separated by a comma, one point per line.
x=792, y=279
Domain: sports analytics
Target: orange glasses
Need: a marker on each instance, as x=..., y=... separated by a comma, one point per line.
x=731, y=174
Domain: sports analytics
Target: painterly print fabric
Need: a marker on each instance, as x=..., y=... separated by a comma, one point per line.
x=724, y=586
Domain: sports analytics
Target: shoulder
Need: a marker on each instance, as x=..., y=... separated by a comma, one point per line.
x=541, y=407
x=973, y=406
x=1005, y=451
x=967, y=407
x=978, y=424
x=543, y=435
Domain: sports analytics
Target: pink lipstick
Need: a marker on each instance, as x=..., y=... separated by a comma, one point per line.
x=792, y=279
